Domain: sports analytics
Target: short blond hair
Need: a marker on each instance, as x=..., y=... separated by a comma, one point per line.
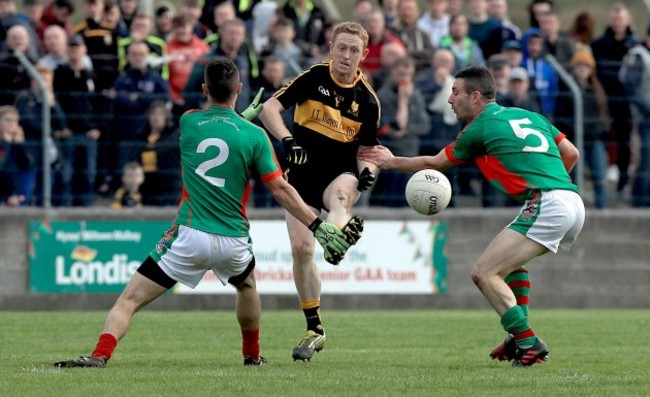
x=8, y=109
x=352, y=28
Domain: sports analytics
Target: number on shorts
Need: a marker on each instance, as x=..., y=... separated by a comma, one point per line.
x=523, y=132
x=206, y=166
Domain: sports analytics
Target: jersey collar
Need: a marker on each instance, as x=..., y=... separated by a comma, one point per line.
x=343, y=85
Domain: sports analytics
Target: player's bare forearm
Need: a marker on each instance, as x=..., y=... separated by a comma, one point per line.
x=384, y=159
x=271, y=117
x=569, y=154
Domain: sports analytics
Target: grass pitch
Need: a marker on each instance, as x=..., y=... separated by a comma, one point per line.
x=369, y=353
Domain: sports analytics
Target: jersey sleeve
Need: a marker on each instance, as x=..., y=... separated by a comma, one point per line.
x=295, y=91
x=558, y=136
x=370, y=124
x=266, y=164
x=469, y=143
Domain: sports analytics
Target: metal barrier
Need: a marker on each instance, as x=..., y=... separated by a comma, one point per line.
x=47, y=128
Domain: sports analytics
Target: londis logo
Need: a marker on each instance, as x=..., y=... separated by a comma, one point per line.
x=116, y=271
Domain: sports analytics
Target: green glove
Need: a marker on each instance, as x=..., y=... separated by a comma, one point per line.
x=331, y=238
x=254, y=109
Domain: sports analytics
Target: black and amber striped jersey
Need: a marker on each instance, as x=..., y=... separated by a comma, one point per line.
x=331, y=119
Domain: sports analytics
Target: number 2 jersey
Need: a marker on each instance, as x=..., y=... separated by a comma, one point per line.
x=515, y=149
x=331, y=119
x=219, y=152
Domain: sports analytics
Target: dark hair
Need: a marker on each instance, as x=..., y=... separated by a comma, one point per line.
x=67, y=4
x=582, y=28
x=163, y=8
x=221, y=78
x=478, y=78
x=110, y=4
x=534, y=23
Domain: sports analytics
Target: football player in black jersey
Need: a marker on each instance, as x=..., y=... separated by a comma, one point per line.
x=336, y=113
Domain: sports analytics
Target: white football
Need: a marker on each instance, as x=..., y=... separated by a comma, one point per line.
x=428, y=192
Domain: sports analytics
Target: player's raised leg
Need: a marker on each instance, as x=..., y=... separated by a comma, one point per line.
x=140, y=291
x=339, y=197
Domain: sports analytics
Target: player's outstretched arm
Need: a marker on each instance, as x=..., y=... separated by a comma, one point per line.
x=384, y=159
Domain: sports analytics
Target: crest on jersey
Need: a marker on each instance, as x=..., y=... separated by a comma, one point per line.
x=354, y=109
x=338, y=99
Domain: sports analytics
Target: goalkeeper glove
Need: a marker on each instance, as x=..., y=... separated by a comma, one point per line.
x=331, y=238
x=294, y=152
x=366, y=179
x=255, y=107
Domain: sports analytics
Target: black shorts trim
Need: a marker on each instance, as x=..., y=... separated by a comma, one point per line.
x=238, y=279
x=151, y=270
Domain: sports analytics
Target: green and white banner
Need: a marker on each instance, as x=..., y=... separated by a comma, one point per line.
x=395, y=257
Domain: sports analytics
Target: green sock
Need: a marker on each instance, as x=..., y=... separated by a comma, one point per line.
x=515, y=322
x=519, y=283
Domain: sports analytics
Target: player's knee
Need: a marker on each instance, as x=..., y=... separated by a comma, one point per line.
x=478, y=276
x=302, y=250
x=344, y=198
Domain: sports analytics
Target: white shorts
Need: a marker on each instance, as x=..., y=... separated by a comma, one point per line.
x=551, y=218
x=185, y=254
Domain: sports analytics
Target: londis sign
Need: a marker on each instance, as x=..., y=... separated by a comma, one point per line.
x=88, y=256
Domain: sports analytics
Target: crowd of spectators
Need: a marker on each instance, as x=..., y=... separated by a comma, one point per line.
x=118, y=82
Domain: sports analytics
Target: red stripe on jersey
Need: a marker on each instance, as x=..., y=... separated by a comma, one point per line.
x=492, y=169
x=559, y=138
x=186, y=197
x=244, y=200
x=449, y=151
x=271, y=176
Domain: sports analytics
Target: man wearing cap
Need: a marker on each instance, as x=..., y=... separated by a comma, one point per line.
x=500, y=68
x=75, y=88
x=519, y=91
x=512, y=50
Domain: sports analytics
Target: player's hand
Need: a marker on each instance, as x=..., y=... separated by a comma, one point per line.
x=331, y=238
x=366, y=179
x=377, y=155
x=255, y=107
x=294, y=152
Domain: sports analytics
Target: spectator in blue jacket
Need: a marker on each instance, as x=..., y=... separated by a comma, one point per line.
x=543, y=76
x=135, y=91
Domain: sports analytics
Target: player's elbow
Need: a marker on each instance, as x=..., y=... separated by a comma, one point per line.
x=571, y=156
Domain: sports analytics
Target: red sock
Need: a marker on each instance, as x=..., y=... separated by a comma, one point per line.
x=251, y=343
x=105, y=346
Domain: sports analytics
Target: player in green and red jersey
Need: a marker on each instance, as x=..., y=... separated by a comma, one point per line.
x=219, y=151
x=526, y=157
